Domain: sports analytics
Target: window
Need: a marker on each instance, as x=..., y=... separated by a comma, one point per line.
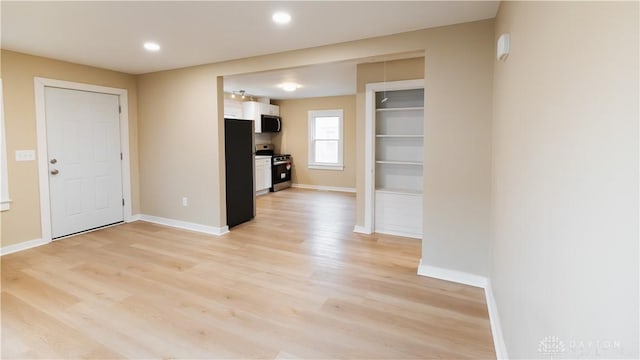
x=325, y=139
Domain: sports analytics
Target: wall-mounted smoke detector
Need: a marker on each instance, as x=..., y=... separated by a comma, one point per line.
x=503, y=47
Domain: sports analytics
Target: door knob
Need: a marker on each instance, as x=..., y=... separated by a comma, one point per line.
x=53, y=161
x=54, y=172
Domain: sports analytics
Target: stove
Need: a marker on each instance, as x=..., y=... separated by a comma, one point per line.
x=280, y=157
x=281, y=165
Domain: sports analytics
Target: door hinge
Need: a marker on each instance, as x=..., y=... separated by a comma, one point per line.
x=122, y=202
x=120, y=156
x=119, y=109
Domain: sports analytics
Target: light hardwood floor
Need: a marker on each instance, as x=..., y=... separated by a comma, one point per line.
x=294, y=283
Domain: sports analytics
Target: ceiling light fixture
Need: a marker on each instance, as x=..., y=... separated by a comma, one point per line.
x=151, y=46
x=289, y=86
x=238, y=92
x=281, y=17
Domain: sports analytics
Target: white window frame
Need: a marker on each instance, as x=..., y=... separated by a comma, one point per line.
x=313, y=114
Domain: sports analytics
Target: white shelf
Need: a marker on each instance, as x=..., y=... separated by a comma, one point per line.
x=398, y=191
x=400, y=136
x=399, y=123
x=397, y=134
x=401, y=108
x=412, y=163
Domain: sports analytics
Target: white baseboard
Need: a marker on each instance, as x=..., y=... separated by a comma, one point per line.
x=400, y=233
x=213, y=230
x=477, y=281
x=496, y=329
x=10, y=249
x=452, y=275
x=135, y=217
x=361, y=230
x=324, y=188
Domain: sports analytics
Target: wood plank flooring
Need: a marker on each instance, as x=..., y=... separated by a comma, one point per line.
x=294, y=283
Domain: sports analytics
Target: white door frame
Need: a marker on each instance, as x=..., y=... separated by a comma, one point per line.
x=369, y=143
x=41, y=129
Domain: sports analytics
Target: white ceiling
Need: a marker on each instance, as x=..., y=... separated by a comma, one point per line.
x=109, y=34
x=319, y=80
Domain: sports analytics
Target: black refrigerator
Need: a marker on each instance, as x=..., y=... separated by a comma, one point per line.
x=239, y=163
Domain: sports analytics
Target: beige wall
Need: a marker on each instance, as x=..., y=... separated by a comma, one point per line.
x=22, y=222
x=1, y=178
x=179, y=138
x=294, y=139
x=565, y=177
x=457, y=149
x=457, y=161
x=181, y=142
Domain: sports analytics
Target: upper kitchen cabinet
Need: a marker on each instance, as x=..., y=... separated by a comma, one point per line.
x=253, y=110
x=232, y=109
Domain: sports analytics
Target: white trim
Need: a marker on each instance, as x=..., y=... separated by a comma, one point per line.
x=212, y=230
x=369, y=160
x=136, y=217
x=361, y=230
x=369, y=142
x=5, y=205
x=41, y=130
x=88, y=231
x=324, y=188
x=477, y=281
x=452, y=275
x=494, y=319
x=326, y=167
x=311, y=117
x=10, y=249
x=400, y=233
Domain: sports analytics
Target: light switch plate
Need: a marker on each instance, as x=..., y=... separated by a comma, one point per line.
x=25, y=155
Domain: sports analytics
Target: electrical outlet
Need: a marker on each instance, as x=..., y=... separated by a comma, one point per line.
x=185, y=201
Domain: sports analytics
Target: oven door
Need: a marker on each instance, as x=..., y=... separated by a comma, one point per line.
x=281, y=175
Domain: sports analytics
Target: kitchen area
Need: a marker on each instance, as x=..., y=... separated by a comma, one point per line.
x=253, y=168
x=274, y=151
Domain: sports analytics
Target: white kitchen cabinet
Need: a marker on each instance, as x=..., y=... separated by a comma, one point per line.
x=395, y=123
x=253, y=110
x=232, y=109
x=272, y=110
x=263, y=174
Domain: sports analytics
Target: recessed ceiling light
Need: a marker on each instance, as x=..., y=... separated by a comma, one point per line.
x=289, y=86
x=281, y=17
x=151, y=46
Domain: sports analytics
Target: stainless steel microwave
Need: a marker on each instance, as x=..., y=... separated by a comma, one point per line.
x=271, y=123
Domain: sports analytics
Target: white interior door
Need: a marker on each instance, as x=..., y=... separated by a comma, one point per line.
x=85, y=173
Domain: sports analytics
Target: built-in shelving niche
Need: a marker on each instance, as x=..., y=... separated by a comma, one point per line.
x=396, y=121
